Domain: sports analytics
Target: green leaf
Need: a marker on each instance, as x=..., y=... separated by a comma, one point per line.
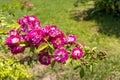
x=91, y=68
x=22, y=45
x=78, y=66
x=68, y=61
x=52, y=64
x=3, y=31
x=82, y=73
x=41, y=47
x=32, y=49
x=51, y=46
x=15, y=26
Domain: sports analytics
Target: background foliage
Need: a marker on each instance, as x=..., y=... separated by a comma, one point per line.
x=108, y=6
x=11, y=69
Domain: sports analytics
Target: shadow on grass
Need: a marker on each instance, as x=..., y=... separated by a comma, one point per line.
x=107, y=23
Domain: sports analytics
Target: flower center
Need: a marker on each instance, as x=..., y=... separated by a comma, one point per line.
x=15, y=40
x=70, y=39
x=32, y=18
x=52, y=28
x=45, y=59
x=77, y=52
x=61, y=55
x=58, y=41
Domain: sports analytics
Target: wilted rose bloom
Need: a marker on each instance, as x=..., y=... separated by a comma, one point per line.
x=29, y=23
x=12, y=40
x=61, y=55
x=17, y=49
x=45, y=59
x=70, y=39
x=35, y=36
x=77, y=53
x=30, y=5
x=58, y=42
x=77, y=44
x=13, y=32
x=25, y=1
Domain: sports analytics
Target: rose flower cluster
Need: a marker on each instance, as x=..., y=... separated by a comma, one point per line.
x=59, y=47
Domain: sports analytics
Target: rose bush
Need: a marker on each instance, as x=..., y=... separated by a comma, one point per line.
x=50, y=45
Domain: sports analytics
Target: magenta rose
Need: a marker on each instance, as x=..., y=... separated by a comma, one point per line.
x=58, y=42
x=45, y=59
x=35, y=37
x=77, y=53
x=13, y=40
x=70, y=39
x=13, y=32
x=56, y=33
x=17, y=49
x=29, y=23
x=61, y=55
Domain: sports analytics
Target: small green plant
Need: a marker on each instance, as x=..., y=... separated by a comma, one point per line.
x=10, y=69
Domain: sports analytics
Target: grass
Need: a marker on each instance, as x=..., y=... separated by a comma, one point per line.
x=101, y=32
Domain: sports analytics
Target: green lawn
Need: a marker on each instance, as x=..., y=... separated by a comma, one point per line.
x=102, y=32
